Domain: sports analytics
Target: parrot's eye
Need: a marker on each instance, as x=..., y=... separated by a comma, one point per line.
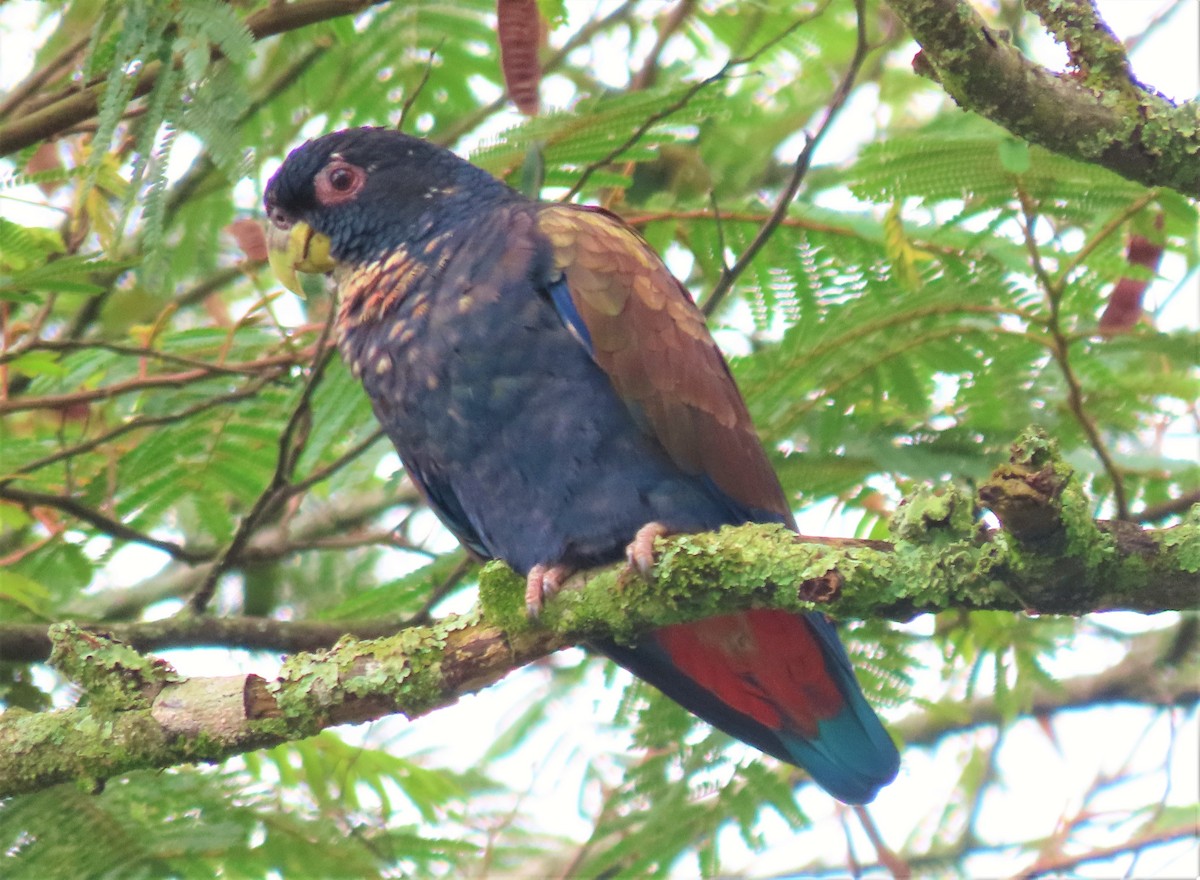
x=339, y=182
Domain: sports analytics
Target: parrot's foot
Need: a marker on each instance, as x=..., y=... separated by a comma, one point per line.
x=640, y=551
x=543, y=582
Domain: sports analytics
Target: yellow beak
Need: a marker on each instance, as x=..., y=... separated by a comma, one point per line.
x=298, y=249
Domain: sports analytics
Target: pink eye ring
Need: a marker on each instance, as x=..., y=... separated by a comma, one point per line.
x=338, y=182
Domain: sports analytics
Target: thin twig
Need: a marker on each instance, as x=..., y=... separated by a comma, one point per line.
x=291, y=443
x=1063, y=863
x=846, y=341
x=686, y=98
x=74, y=108
x=729, y=275
x=411, y=99
x=1114, y=223
x=160, y=380
x=862, y=367
x=271, y=544
x=638, y=133
x=1159, y=20
x=39, y=77
x=887, y=857
x=27, y=342
x=98, y=520
x=1060, y=351
x=719, y=218
x=1155, y=512
x=670, y=24
x=214, y=282
x=250, y=390
x=378, y=538
x=249, y=368
x=423, y=615
x=337, y=464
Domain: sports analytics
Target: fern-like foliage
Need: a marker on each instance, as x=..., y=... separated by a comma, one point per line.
x=935, y=287
x=188, y=824
x=602, y=129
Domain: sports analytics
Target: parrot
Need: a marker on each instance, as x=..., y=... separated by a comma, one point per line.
x=555, y=395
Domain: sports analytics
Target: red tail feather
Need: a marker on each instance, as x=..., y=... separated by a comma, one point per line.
x=765, y=664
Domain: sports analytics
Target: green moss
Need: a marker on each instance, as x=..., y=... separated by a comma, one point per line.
x=270, y=730
x=203, y=747
x=502, y=597
x=935, y=517
x=1184, y=541
x=403, y=669
x=113, y=675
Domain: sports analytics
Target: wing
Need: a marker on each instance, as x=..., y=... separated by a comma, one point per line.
x=645, y=332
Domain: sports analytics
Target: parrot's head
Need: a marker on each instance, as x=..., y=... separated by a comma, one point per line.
x=349, y=197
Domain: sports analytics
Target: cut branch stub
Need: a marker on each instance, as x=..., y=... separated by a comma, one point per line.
x=935, y=516
x=1027, y=504
x=1064, y=555
x=1025, y=494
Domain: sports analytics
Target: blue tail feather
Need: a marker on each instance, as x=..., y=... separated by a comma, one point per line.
x=852, y=756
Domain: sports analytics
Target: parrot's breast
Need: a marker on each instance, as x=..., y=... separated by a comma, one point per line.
x=500, y=413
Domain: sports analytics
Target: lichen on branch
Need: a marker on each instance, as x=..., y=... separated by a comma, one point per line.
x=139, y=713
x=1094, y=113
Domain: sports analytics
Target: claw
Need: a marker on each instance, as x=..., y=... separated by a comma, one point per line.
x=640, y=551
x=542, y=583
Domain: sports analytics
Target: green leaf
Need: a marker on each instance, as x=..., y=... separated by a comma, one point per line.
x=24, y=591
x=1014, y=156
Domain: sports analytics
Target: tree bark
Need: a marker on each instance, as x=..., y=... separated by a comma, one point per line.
x=1096, y=112
x=1051, y=556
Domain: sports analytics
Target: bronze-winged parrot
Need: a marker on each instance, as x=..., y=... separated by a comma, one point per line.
x=556, y=396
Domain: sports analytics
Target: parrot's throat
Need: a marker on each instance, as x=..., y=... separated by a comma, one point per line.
x=371, y=291
x=385, y=303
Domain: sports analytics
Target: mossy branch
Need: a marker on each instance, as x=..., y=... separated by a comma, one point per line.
x=138, y=713
x=1096, y=112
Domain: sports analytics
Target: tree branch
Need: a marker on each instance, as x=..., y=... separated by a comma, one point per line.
x=942, y=559
x=1131, y=130
x=335, y=517
x=99, y=521
x=1051, y=557
x=1061, y=865
x=424, y=668
x=1173, y=507
x=1146, y=675
x=31, y=642
x=1060, y=350
x=291, y=444
x=270, y=366
x=142, y=714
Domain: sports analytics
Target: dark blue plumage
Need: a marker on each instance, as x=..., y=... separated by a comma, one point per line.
x=554, y=393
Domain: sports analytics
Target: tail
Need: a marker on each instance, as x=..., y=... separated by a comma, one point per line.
x=780, y=682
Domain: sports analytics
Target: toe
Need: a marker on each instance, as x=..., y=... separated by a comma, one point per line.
x=542, y=582
x=533, y=590
x=640, y=551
